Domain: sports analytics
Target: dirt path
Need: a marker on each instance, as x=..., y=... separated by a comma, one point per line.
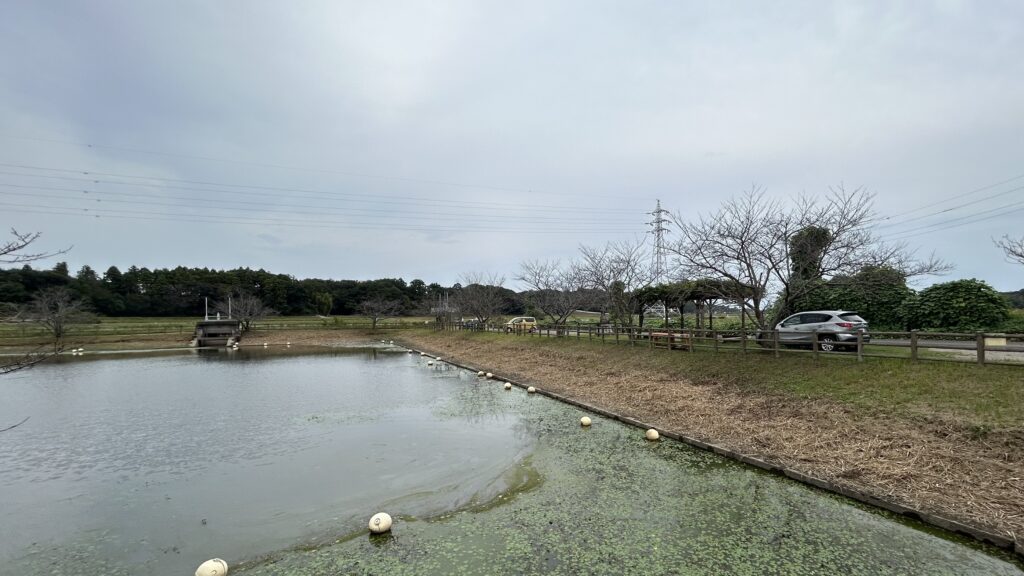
x=933, y=467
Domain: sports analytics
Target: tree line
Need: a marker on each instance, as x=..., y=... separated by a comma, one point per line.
x=183, y=291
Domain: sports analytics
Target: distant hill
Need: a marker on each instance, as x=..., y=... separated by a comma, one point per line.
x=1016, y=298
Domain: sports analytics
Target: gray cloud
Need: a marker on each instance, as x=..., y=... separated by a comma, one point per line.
x=570, y=117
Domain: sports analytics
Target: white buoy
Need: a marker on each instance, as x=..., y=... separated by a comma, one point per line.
x=287, y=343
x=490, y=375
x=480, y=373
x=652, y=434
x=391, y=341
x=508, y=385
x=214, y=567
x=430, y=363
x=411, y=351
x=380, y=523
x=531, y=390
x=265, y=344
x=423, y=353
x=585, y=421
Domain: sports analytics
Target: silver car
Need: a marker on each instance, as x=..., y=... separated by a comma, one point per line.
x=835, y=329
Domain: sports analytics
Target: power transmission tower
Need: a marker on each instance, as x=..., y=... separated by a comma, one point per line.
x=658, y=229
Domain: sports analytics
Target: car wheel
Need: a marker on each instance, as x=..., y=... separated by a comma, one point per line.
x=827, y=344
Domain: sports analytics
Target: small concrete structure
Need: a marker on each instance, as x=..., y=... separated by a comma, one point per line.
x=217, y=332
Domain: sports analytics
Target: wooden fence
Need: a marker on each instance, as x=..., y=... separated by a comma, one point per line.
x=914, y=345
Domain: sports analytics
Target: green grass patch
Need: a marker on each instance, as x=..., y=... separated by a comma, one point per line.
x=979, y=397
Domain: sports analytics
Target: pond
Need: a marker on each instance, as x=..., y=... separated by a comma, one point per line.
x=274, y=462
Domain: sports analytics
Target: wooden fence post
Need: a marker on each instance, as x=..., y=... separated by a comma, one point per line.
x=775, y=342
x=714, y=337
x=979, y=340
x=814, y=342
x=743, y=340
x=860, y=345
x=913, y=345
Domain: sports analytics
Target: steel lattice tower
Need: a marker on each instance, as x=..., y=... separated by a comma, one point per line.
x=658, y=229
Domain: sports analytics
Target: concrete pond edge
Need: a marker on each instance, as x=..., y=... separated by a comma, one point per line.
x=997, y=540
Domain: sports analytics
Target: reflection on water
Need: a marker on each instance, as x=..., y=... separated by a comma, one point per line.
x=156, y=461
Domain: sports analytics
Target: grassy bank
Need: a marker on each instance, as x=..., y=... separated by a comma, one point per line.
x=942, y=437
x=124, y=332
x=985, y=397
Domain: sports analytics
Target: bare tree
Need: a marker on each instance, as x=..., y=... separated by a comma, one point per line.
x=244, y=307
x=482, y=295
x=767, y=253
x=56, y=309
x=1013, y=248
x=13, y=251
x=555, y=289
x=619, y=270
x=378, y=308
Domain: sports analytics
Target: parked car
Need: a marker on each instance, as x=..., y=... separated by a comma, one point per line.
x=521, y=324
x=835, y=328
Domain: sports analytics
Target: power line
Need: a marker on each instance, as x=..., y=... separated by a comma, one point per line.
x=955, y=197
x=248, y=189
x=104, y=212
x=296, y=168
x=948, y=224
x=952, y=208
x=93, y=195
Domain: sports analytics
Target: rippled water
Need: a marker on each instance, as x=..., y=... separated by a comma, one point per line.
x=149, y=465
x=154, y=462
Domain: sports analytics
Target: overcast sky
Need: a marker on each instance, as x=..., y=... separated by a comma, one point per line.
x=428, y=139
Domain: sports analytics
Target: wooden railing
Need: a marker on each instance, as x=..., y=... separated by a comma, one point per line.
x=914, y=345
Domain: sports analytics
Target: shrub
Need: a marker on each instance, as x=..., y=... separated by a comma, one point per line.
x=961, y=306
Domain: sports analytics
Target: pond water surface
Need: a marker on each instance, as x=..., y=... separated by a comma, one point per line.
x=150, y=465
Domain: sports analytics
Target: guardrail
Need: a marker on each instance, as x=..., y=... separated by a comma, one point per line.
x=978, y=347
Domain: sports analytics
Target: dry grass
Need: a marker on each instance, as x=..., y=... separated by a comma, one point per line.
x=950, y=462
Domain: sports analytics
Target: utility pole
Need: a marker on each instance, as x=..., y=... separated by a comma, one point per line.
x=658, y=229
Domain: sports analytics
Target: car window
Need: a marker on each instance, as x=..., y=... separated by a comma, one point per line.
x=816, y=318
x=792, y=320
x=852, y=318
